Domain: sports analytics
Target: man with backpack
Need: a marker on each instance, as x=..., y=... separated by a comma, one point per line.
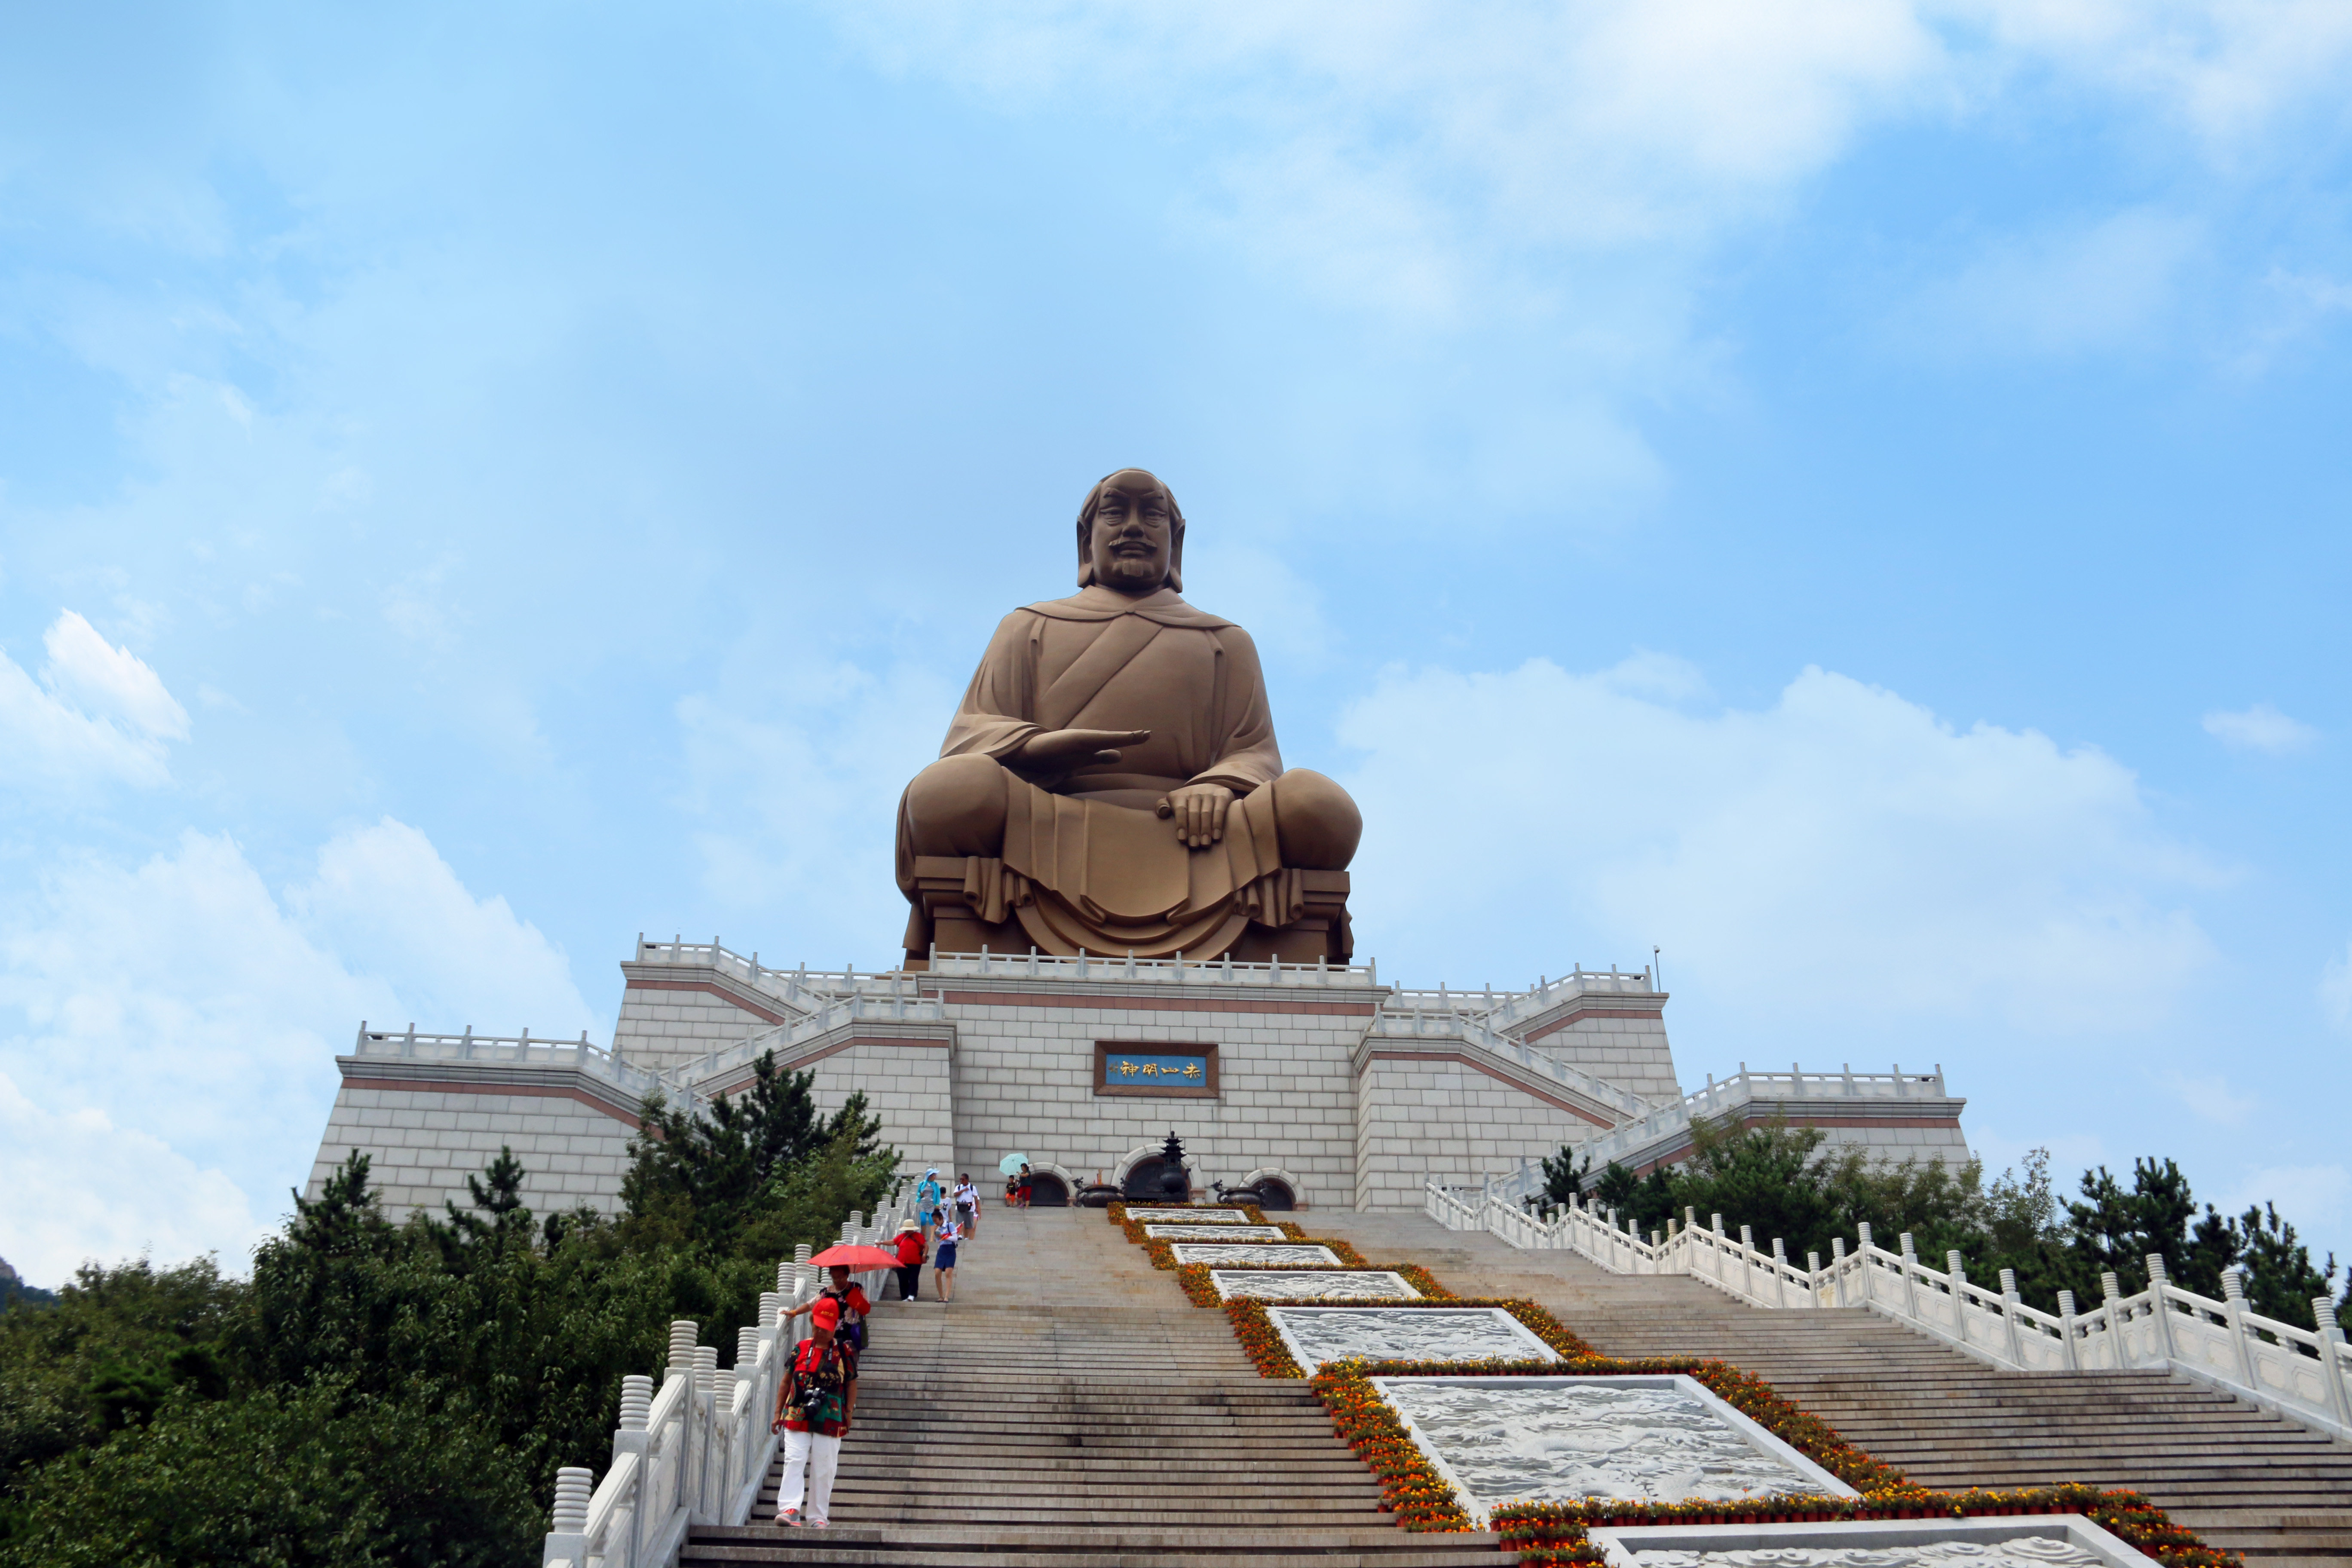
x=814, y=1405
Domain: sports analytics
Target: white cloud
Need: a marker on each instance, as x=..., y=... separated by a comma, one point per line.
x=99, y=713
x=1842, y=837
x=383, y=897
x=177, y=1010
x=2260, y=728
x=110, y=683
x=2228, y=69
x=2209, y=1098
x=1393, y=151
x=80, y=1188
x=2335, y=990
x=1380, y=147
x=2104, y=285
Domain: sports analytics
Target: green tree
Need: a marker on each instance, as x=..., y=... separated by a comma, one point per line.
x=316, y=1476
x=1563, y=1178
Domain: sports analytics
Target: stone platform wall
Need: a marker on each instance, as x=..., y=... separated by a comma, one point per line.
x=1024, y=1079
x=423, y=1134
x=1423, y=1119
x=671, y=1014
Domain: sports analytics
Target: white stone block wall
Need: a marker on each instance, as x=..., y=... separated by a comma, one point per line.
x=1418, y=1120
x=1891, y=1143
x=424, y=1141
x=1024, y=1084
x=660, y=1028
x=1631, y=1052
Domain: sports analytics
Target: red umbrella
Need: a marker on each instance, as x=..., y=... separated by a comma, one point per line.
x=857, y=1258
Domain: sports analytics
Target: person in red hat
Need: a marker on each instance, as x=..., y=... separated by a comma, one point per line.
x=814, y=1405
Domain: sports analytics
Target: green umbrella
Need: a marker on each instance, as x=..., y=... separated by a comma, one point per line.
x=1011, y=1164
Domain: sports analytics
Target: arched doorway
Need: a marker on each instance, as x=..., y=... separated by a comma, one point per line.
x=1275, y=1196
x=1047, y=1191
x=1141, y=1184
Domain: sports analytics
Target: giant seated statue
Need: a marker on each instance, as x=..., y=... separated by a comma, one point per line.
x=1111, y=785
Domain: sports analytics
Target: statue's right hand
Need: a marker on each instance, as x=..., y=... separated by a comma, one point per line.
x=1060, y=748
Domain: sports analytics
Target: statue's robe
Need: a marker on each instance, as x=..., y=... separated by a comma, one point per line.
x=1102, y=660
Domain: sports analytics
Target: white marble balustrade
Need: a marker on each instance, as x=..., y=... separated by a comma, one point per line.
x=696, y=1449
x=2303, y=1373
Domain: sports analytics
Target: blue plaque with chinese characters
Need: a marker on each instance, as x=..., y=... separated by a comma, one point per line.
x=1155, y=1068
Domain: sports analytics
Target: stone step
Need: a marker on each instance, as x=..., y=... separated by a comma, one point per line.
x=984, y=1546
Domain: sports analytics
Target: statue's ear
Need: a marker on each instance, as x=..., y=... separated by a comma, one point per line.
x=1176, y=563
x=1086, y=572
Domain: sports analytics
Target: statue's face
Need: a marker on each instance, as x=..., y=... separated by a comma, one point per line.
x=1134, y=535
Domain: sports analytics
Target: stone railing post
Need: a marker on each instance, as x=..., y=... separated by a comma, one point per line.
x=711, y=1469
x=1779, y=1273
x=2331, y=1358
x=2233, y=1300
x=2008, y=1304
x=1910, y=1279
x=2066, y=1326
x=569, y=1540
x=683, y=1332
x=2158, y=1278
x=2111, y=1308
x=1837, y=1265
x=1862, y=1266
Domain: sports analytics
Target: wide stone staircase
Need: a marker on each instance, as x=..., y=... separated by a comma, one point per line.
x=1070, y=1408
x=2243, y=1477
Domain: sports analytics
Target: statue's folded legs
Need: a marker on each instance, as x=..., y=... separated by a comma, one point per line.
x=957, y=807
x=1275, y=885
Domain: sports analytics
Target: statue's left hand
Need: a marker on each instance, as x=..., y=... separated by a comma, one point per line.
x=1200, y=813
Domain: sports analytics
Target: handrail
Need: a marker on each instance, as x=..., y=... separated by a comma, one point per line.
x=1176, y=970
x=1393, y=1023
x=1731, y=1094
x=522, y=1050
x=1500, y=1009
x=697, y=1450
x=2304, y=1374
x=900, y=1005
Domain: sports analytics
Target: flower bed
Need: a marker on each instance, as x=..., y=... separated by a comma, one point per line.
x=1201, y=1290
x=1273, y=1358
x=1411, y=1487
x=1117, y=1212
x=1555, y=1535
x=1163, y=1255
x=1133, y=1228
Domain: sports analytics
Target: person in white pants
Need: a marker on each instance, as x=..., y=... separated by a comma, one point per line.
x=810, y=1460
x=812, y=1408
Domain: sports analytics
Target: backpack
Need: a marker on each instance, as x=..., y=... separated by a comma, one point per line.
x=851, y=1333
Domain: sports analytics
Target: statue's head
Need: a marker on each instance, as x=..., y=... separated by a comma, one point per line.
x=1131, y=535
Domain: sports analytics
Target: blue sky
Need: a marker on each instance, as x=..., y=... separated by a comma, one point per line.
x=1852, y=494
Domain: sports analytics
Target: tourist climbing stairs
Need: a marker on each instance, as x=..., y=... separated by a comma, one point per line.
x=1070, y=1408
